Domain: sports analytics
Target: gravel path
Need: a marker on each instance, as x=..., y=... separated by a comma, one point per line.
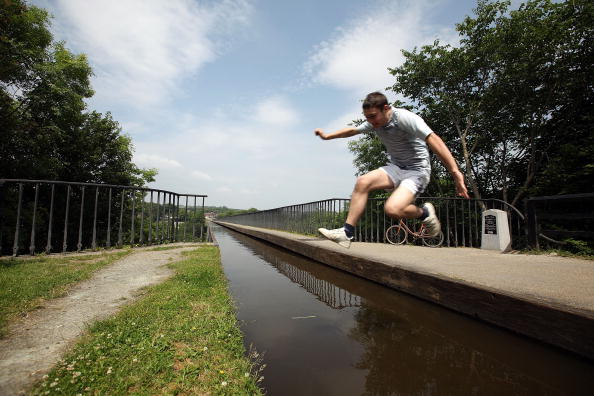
x=36, y=343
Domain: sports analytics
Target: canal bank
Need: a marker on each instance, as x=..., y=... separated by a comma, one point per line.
x=547, y=298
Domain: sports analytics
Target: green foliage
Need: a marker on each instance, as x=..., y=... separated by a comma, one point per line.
x=369, y=152
x=580, y=248
x=47, y=132
x=223, y=211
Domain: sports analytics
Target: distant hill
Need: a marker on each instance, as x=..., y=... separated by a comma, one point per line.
x=222, y=211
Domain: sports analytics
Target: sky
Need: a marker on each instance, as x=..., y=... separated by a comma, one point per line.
x=222, y=97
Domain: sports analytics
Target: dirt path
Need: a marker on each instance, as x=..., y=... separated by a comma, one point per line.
x=36, y=343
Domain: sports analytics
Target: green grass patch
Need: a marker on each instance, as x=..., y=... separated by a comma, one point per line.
x=180, y=338
x=558, y=252
x=26, y=282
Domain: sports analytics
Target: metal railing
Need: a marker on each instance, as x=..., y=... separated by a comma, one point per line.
x=461, y=219
x=38, y=215
x=558, y=217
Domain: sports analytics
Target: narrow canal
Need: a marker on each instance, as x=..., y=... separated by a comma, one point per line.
x=325, y=332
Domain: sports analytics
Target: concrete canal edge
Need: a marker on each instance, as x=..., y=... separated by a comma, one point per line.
x=545, y=311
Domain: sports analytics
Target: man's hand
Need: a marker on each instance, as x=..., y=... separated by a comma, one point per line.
x=460, y=185
x=321, y=134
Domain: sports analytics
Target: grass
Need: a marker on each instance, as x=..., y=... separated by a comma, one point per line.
x=26, y=282
x=558, y=252
x=180, y=338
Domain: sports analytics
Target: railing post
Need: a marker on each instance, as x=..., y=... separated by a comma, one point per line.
x=80, y=224
x=186, y=219
x=532, y=224
x=141, y=236
x=94, y=242
x=132, y=230
x=15, y=247
x=66, y=214
x=108, y=239
x=157, y=236
x=1, y=215
x=202, y=218
x=194, y=222
x=120, y=236
x=150, y=230
x=34, y=222
x=48, y=246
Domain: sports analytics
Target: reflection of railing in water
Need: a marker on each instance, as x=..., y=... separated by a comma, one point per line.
x=332, y=295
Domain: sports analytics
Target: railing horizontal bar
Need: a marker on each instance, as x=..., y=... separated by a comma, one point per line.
x=2, y=181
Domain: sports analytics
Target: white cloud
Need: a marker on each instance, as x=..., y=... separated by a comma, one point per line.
x=155, y=161
x=200, y=175
x=275, y=111
x=357, y=58
x=141, y=50
x=243, y=162
x=224, y=189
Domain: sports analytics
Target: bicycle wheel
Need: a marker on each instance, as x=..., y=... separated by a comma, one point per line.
x=435, y=241
x=396, y=235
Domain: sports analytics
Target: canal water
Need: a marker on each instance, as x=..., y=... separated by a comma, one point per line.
x=325, y=332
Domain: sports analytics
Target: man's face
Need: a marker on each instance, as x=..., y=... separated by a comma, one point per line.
x=377, y=117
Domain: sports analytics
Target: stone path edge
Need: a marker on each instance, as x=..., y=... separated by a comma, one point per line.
x=564, y=327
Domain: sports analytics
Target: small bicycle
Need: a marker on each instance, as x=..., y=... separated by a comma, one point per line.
x=398, y=235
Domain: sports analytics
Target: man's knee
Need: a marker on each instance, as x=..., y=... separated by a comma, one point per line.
x=394, y=211
x=364, y=183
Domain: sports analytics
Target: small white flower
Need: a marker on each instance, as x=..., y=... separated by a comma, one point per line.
x=224, y=383
x=135, y=360
x=247, y=375
x=109, y=370
x=53, y=384
x=205, y=349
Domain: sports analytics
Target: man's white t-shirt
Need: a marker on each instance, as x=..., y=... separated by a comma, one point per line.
x=404, y=137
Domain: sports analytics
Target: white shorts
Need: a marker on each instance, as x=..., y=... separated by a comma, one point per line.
x=414, y=180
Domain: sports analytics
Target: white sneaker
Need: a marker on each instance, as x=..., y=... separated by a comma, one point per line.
x=338, y=235
x=432, y=223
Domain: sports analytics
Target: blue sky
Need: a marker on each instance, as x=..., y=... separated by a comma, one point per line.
x=223, y=96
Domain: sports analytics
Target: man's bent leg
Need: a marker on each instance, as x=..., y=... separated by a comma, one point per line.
x=374, y=180
x=400, y=204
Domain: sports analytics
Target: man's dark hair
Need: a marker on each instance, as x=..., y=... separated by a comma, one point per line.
x=375, y=100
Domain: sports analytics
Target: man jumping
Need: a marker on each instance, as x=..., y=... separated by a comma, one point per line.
x=406, y=137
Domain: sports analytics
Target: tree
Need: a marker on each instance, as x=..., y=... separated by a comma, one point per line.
x=514, y=101
x=47, y=132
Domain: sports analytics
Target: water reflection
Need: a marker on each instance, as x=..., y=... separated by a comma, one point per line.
x=330, y=294
x=364, y=338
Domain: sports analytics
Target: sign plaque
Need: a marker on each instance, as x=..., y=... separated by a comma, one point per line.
x=491, y=225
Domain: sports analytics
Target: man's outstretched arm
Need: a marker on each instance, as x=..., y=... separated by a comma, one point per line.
x=443, y=152
x=342, y=133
